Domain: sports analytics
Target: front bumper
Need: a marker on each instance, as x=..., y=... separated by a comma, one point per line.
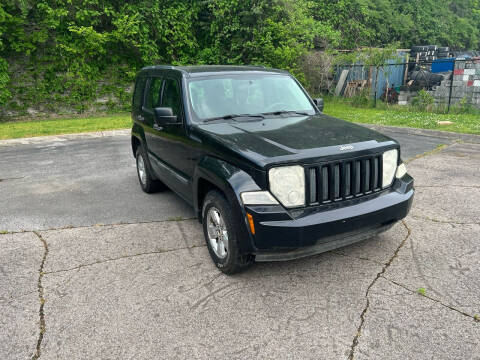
x=282, y=235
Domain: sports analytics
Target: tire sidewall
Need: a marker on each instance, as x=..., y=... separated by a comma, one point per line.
x=149, y=185
x=215, y=199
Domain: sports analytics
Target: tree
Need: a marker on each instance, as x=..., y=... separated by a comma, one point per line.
x=453, y=23
x=72, y=51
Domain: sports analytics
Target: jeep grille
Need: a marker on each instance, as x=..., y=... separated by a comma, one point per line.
x=343, y=180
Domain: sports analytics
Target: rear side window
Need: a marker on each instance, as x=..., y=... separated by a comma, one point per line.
x=138, y=93
x=153, y=96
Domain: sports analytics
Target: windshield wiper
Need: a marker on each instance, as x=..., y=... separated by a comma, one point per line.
x=234, y=116
x=281, y=112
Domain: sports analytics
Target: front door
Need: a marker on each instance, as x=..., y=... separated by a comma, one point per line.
x=169, y=146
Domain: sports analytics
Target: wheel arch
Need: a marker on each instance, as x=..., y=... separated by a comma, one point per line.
x=137, y=138
x=135, y=144
x=204, y=186
x=216, y=174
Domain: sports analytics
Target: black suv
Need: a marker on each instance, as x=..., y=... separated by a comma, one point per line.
x=270, y=177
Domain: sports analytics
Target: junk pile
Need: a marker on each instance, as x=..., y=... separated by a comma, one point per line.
x=431, y=68
x=429, y=53
x=424, y=78
x=428, y=67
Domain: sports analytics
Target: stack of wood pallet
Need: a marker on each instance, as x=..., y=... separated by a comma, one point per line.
x=355, y=87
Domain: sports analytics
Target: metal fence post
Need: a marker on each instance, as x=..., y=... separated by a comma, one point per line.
x=451, y=87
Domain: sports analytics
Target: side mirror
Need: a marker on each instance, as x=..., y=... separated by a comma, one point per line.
x=164, y=115
x=320, y=104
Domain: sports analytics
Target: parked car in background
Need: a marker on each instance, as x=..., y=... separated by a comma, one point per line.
x=269, y=175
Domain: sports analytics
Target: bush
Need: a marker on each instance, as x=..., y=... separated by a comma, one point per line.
x=318, y=69
x=464, y=107
x=5, y=94
x=363, y=99
x=81, y=49
x=424, y=101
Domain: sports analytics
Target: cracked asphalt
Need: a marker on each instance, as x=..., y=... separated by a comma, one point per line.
x=90, y=267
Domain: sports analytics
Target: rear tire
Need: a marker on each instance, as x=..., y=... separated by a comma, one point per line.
x=145, y=177
x=222, y=234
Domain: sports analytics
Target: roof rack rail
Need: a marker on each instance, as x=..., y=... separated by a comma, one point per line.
x=159, y=67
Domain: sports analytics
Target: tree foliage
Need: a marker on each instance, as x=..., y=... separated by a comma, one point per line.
x=70, y=52
x=453, y=23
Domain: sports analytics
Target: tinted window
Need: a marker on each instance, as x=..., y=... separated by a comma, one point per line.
x=171, y=96
x=138, y=94
x=153, y=97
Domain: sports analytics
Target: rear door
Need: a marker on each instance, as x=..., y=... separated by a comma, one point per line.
x=137, y=101
x=151, y=100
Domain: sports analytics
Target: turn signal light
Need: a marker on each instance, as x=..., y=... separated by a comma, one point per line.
x=251, y=223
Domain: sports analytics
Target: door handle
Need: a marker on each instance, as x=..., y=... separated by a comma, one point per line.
x=140, y=118
x=157, y=127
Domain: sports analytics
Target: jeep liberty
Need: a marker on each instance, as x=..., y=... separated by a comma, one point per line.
x=269, y=176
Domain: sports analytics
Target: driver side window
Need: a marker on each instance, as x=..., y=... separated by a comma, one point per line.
x=171, y=96
x=153, y=97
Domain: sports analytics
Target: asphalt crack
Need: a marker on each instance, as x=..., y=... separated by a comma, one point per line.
x=417, y=217
x=122, y=257
x=432, y=299
x=41, y=297
x=364, y=312
x=67, y=227
x=12, y=178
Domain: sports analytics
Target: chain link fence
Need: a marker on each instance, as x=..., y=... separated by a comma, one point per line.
x=441, y=82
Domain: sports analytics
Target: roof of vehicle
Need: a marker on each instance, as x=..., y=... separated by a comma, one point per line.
x=205, y=70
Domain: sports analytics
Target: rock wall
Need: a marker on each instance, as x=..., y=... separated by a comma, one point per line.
x=38, y=93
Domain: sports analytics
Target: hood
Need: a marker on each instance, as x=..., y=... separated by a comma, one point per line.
x=296, y=139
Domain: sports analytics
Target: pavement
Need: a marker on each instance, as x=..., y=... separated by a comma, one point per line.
x=91, y=267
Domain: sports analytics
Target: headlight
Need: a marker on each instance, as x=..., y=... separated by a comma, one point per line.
x=401, y=171
x=258, y=198
x=287, y=183
x=390, y=161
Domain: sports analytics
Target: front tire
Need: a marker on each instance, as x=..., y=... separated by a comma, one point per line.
x=222, y=234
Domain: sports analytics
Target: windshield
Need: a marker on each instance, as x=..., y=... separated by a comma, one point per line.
x=246, y=94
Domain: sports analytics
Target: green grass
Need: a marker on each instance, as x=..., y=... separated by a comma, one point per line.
x=19, y=129
x=403, y=116
x=337, y=107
